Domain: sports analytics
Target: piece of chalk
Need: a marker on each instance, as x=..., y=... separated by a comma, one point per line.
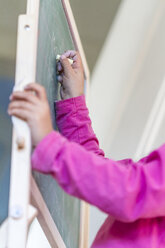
x=58, y=58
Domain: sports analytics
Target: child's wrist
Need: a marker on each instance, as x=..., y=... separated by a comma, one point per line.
x=68, y=96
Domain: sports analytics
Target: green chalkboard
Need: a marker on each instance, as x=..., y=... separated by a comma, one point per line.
x=54, y=38
x=5, y=147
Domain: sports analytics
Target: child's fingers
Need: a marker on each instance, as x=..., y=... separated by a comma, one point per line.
x=59, y=67
x=38, y=89
x=25, y=96
x=77, y=61
x=20, y=105
x=20, y=113
x=70, y=54
x=60, y=79
x=66, y=65
x=75, y=56
x=62, y=92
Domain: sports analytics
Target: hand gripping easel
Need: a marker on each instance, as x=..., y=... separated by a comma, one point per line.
x=19, y=207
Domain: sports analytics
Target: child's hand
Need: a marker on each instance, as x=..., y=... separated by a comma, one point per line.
x=70, y=76
x=32, y=106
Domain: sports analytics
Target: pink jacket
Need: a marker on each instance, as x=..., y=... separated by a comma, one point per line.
x=131, y=193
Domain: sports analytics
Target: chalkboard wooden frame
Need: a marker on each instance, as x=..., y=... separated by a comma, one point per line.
x=21, y=213
x=84, y=225
x=20, y=159
x=84, y=218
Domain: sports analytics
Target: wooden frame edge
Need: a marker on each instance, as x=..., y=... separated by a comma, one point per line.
x=76, y=39
x=48, y=225
x=18, y=219
x=21, y=151
x=84, y=225
x=75, y=35
x=84, y=216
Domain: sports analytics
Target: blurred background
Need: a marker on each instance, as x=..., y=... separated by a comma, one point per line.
x=124, y=42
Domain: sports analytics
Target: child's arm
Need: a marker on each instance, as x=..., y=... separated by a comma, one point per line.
x=72, y=115
x=74, y=123
x=124, y=189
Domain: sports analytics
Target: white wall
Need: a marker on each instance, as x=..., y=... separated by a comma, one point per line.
x=37, y=237
x=126, y=81
x=120, y=64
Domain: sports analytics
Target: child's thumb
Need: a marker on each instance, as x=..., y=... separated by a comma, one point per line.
x=66, y=65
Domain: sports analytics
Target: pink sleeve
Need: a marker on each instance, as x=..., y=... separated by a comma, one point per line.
x=124, y=189
x=73, y=122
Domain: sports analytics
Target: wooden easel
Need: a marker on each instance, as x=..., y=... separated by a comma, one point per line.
x=26, y=202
